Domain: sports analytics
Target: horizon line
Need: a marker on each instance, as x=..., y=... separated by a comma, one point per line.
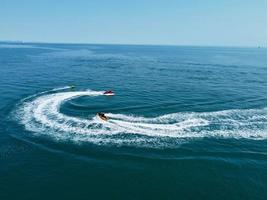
x=131, y=44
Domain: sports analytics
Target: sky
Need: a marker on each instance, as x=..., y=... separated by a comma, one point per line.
x=169, y=22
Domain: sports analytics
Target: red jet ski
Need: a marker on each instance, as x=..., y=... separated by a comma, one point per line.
x=109, y=93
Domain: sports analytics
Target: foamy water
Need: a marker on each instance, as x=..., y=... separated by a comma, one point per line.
x=40, y=114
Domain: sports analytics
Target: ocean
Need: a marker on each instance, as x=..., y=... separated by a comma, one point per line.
x=185, y=122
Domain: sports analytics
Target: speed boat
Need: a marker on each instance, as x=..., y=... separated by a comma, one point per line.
x=102, y=116
x=109, y=93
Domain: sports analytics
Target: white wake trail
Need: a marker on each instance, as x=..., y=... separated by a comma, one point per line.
x=41, y=115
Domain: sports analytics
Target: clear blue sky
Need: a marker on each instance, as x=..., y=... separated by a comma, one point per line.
x=175, y=22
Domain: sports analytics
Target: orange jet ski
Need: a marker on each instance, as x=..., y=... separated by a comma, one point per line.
x=102, y=116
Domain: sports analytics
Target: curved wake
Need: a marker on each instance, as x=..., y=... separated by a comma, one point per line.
x=41, y=114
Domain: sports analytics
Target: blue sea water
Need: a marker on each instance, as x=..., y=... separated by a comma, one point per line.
x=185, y=122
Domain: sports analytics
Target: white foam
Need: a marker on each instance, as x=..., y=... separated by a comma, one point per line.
x=47, y=91
x=41, y=115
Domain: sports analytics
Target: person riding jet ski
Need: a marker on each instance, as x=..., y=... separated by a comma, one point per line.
x=102, y=116
x=109, y=93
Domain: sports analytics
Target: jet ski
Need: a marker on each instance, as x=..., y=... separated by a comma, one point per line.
x=109, y=93
x=102, y=116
